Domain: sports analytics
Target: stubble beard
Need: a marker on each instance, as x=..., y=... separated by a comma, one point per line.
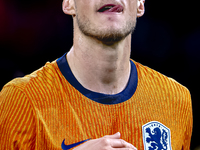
x=107, y=35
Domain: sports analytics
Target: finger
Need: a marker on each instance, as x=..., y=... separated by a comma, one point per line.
x=119, y=143
x=114, y=136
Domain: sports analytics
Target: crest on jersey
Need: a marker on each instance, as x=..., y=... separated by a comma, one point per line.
x=156, y=136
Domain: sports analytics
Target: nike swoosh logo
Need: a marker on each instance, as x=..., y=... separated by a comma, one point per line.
x=67, y=147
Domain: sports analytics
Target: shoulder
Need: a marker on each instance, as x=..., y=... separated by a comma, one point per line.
x=153, y=79
x=45, y=73
x=17, y=116
x=164, y=91
x=40, y=79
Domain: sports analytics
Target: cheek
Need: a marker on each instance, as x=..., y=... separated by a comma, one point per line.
x=133, y=5
x=86, y=4
x=132, y=8
x=133, y=2
x=85, y=8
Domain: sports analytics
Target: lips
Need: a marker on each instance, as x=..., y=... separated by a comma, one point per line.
x=111, y=8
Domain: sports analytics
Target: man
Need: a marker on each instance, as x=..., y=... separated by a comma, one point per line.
x=95, y=97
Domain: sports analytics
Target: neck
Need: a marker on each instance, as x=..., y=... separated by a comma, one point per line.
x=99, y=67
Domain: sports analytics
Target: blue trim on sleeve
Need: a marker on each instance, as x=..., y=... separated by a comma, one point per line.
x=123, y=96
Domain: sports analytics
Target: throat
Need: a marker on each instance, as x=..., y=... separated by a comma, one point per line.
x=103, y=69
x=111, y=79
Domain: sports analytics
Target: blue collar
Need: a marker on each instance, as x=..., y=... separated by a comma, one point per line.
x=123, y=96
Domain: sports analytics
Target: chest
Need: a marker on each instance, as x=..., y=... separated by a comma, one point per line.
x=139, y=123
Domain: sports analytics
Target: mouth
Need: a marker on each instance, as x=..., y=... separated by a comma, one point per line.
x=111, y=8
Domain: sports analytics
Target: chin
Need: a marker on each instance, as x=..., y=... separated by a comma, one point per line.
x=113, y=34
x=107, y=32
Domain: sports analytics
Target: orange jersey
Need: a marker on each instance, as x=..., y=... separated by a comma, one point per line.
x=50, y=109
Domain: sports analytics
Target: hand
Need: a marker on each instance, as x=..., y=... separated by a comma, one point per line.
x=108, y=142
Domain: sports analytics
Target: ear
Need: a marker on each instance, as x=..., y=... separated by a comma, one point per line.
x=140, y=8
x=68, y=7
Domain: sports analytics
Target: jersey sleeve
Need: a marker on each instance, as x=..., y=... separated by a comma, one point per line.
x=17, y=120
x=188, y=124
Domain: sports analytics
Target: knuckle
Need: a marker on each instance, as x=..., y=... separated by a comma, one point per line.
x=105, y=141
x=123, y=142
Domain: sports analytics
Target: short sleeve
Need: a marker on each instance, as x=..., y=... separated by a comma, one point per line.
x=17, y=120
x=189, y=124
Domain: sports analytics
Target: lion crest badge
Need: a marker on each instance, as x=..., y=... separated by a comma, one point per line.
x=156, y=136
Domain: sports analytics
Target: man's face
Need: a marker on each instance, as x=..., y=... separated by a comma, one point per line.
x=106, y=20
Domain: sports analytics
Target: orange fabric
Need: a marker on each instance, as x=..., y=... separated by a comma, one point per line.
x=42, y=109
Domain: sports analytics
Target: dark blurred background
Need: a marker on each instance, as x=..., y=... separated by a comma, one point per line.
x=167, y=39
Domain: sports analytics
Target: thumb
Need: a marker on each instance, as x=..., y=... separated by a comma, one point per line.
x=114, y=136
